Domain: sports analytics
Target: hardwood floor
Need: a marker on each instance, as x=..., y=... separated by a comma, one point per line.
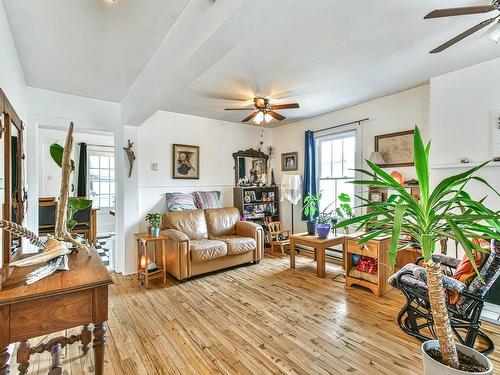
x=260, y=319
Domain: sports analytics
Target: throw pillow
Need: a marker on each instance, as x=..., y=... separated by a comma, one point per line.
x=367, y=264
x=179, y=202
x=207, y=199
x=465, y=272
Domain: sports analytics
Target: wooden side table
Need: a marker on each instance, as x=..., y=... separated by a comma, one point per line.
x=318, y=244
x=158, y=255
x=66, y=299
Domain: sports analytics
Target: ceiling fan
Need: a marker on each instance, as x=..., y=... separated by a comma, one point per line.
x=265, y=111
x=493, y=33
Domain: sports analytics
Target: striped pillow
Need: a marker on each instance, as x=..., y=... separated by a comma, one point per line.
x=207, y=199
x=180, y=202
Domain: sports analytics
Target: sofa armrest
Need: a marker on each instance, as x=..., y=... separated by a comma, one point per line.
x=177, y=254
x=249, y=229
x=446, y=260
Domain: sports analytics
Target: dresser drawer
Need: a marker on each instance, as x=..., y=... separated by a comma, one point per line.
x=369, y=249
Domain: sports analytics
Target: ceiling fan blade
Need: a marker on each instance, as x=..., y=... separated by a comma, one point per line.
x=285, y=106
x=239, y=109
x=248, y=118
x=276, y=115
x=463, y=35
x=449, y=12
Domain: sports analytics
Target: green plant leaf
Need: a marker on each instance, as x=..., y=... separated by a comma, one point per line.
x=396, y=230
x=56, y=152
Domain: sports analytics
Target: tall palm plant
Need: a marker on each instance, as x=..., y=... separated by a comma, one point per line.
x=448, y=211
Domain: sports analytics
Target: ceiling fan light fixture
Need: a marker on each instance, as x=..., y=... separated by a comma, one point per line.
x=268, y=118
x=259, y=117
x=493, y=33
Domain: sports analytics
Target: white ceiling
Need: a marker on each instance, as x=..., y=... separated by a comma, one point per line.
x=196, y=57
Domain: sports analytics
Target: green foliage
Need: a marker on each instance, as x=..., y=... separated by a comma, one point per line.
x=56, y=152
x=447, y=211
x=311, y=204
x=154, y=219
x=344, y=210
x=74, y=205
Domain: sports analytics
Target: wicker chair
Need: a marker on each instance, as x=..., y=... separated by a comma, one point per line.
x=416, y=314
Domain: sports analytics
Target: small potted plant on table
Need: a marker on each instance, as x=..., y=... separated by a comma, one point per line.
x=449, y=212
x=154, y=221
x=311, y=204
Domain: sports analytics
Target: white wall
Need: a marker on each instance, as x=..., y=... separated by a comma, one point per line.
x=217, y=141
x=398, y=112
x=48, y=119
x=461, y=116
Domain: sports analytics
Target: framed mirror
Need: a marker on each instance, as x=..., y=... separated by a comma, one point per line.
x=250, y=166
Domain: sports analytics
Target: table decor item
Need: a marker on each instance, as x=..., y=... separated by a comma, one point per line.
x=446, y=211
x=154, y=220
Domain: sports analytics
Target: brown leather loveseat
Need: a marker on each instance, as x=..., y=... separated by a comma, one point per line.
x=202, y=241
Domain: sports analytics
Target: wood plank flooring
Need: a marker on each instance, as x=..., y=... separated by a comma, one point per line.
x=260, y=319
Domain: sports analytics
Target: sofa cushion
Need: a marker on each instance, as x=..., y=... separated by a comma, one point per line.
x=204, y=250
x=222, y=221
x=238, y=244
x=192, y=223
x=180, y=202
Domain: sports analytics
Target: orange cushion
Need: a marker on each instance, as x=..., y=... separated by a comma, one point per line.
x=465, y=271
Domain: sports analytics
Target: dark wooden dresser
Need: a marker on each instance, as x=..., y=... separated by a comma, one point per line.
x=66, y=299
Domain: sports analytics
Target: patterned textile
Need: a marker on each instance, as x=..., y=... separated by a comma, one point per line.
x=367, y=264
x=203, y=250
x=490, y=272
x=179, y=202
x=207, y=199
x=238, y=244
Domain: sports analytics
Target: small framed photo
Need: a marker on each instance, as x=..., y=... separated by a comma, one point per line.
x=186, y=162
x=290, y=161
x=376, y=197
x=258, y=165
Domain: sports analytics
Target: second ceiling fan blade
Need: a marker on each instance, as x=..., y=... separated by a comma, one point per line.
x=248, y=118
x=459, y=11
x=463, y=35
x=285, y=106
x=276, y=115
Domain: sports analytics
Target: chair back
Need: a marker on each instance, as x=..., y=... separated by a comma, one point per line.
x=82, y=216
x=275, y=226
x=47, y=213
x=489, y=272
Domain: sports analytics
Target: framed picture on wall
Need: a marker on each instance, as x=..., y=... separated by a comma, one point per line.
x=290, y=161
x=396, y=149
x=186, y=161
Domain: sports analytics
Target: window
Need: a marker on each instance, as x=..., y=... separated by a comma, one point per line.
x=102, y=179
x=336, y=158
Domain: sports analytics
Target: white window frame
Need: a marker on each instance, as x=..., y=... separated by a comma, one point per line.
x=100, y=152
x=335, y=133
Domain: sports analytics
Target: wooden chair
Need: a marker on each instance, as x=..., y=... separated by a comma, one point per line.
x=47, y=209
x=84, y=226
x=278, y=236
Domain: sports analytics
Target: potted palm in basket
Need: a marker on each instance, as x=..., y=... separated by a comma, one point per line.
x=447, y=211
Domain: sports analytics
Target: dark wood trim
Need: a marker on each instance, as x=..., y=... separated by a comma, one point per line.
x=391, y=135
x=174, y=162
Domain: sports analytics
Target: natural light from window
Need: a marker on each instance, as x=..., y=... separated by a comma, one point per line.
x=102, y=180
x=335, y=164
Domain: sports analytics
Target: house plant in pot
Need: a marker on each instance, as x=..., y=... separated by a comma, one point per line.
x=323, y=224
x=154, y=220
x=310, y=209
x=344, y=210
x=446, y=211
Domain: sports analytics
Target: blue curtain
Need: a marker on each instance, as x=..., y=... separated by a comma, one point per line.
x=309, y=168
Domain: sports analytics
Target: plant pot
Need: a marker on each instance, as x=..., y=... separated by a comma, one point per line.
x=311, y=228
x=323, y=230
x=431, y=366
x=155, y=232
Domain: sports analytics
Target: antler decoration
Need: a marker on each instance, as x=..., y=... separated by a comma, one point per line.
x=131, y=156
x=61, y=229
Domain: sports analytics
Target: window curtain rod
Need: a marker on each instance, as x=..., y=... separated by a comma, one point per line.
x=338, y=126
x=94, y=145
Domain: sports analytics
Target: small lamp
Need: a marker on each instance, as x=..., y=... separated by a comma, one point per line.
x=376, y=157
x=291, y=188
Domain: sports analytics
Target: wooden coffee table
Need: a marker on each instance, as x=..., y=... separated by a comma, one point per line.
x=318, y=244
